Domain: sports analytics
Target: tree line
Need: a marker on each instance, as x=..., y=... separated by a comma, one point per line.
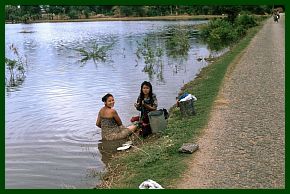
x=30, y=13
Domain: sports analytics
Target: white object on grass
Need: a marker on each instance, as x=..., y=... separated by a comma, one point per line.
x=150, y=184
x=124, y=147
x=188, y=97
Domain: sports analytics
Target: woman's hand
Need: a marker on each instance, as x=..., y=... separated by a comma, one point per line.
x=148, y=107
x=136, y=105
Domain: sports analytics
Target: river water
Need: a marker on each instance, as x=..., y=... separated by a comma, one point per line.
x=51, y=140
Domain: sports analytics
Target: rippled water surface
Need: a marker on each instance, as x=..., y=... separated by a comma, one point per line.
x=51, y=140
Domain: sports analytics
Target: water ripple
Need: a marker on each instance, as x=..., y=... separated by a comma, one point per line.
x=50, y=133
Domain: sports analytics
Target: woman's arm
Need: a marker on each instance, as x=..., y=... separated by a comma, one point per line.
x=138, y=104
x=117, y=118
x=98, y=122
x=149, y=107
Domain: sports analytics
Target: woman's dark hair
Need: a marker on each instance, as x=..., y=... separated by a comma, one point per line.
x=105, y=98
x=146, y=83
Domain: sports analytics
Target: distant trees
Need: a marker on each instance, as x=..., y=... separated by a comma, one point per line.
x=23, y=14
x=26, y=13
x=11, y=13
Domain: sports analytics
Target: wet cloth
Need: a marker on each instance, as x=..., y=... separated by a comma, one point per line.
x=111, y=130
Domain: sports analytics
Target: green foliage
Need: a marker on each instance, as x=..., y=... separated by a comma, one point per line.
x=232, y=12
x=221, y=33
x=133, y=11
x=152, y=56
x=241, y=31
x=246, y=21
x=178, y=44
x=15, y=13
x=73, y=14
x=16, y=69
x=96, y=52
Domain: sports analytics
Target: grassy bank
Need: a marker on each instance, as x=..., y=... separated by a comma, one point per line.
x=157, y=158
x=180, y=17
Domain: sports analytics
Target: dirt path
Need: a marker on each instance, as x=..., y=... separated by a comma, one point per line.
x=244, y=143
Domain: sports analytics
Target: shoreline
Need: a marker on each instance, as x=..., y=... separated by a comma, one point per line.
x=131, y=167
x=102, y=19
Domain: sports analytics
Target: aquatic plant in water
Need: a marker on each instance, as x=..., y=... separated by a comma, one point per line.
x=178, y=44
x=152, y=56
x=95, y=52
x=17, y=69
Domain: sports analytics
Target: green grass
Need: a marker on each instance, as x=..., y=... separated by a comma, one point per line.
x=158, y=159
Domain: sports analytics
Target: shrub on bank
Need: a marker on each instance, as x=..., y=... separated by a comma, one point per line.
x=220, y=33
x=247, y=21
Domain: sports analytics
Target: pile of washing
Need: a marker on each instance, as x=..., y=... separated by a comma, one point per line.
x=185, y=97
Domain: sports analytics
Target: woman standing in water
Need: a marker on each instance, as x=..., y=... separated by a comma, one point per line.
x=110, y=123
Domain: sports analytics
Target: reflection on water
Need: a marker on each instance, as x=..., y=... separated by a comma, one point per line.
x=177, y=45
x=108, y=148
x=50, y=136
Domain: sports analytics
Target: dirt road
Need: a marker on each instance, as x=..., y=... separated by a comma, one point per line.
x=243, y=145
